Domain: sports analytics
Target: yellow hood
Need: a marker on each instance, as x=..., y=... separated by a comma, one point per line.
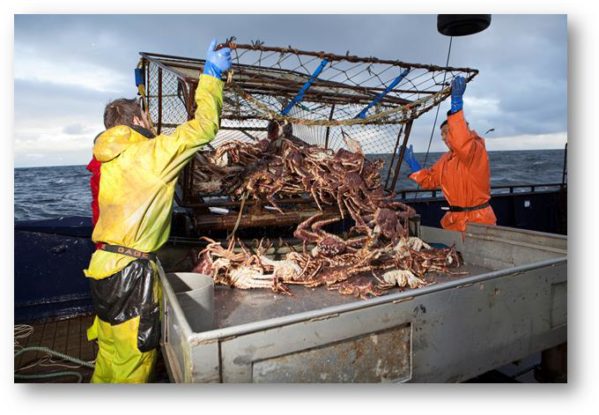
x=114, y=141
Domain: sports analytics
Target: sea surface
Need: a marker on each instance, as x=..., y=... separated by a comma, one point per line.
x=52, y=192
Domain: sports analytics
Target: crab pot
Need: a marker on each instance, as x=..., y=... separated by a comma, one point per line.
x=509, y=305
x=322, y=97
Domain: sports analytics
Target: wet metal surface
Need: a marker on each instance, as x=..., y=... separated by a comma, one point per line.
x=382, y=356
x=234, y=306
x=509, y=303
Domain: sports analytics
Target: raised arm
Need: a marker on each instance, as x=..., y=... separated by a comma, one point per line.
x=459, y=137
x=172, y=152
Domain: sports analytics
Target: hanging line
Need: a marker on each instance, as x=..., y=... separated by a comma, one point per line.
x=231, y=236
x=438, y=107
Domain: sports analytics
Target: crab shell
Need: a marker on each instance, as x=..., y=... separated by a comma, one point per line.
x=284, y=270
x=402, y=278
x=247, y=277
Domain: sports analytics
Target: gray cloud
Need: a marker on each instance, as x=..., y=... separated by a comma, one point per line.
x=74, y=129
x=522, y=59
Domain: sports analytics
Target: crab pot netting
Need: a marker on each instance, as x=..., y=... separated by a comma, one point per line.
x=339, y=99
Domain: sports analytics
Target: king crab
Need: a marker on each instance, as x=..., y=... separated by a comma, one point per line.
x=327, y=244
x=239, y=270
x=359, y=286
x=401, y=278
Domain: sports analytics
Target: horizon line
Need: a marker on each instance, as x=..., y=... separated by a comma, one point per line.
x=421, y=152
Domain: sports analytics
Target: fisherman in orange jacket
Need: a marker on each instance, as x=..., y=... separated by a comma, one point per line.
x=463, y=172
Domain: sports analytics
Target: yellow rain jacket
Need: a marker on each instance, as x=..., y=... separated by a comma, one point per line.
x=138, y=177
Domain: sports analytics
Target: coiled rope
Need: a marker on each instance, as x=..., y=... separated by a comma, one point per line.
x=22, y=331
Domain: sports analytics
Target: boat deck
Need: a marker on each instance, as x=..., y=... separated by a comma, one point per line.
x=67, y=336
x=64, y=336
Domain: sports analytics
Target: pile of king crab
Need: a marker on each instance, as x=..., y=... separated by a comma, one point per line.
x=377, y=253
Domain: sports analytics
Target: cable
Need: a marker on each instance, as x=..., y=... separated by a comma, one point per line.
x=50, y=375
x=241, y=206
x=22, y=331
x=55, y=353
x=438, y=106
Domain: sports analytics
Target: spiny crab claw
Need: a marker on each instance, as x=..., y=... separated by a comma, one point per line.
x=402, y=278
x=223, y=160
x=247, y=277
x=285, y=270
x=417, y=244
x=402, y=248
x=353, y=145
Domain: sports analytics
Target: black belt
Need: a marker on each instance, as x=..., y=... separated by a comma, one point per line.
x=123, y=250
x=465, y=209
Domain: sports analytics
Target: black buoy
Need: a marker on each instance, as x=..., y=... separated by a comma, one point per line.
x=462, y=24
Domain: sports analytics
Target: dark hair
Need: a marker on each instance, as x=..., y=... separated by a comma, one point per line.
x=121, y=112
x=443, y=123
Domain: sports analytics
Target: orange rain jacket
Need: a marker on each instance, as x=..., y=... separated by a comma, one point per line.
x=463, y=174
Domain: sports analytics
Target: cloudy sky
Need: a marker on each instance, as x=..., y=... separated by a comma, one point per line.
x=67, y=67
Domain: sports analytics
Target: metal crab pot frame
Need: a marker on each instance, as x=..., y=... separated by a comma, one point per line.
x=321, y=94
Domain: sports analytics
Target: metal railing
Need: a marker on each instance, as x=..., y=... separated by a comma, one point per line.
x=404, y=194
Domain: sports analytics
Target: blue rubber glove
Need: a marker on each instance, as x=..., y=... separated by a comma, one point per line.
x=217, y=61
x=458, y=86
x=410, y=159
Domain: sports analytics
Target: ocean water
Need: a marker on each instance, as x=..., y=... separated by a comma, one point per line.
x=52, y=192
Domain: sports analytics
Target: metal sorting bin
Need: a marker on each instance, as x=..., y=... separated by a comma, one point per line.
x=512, y=303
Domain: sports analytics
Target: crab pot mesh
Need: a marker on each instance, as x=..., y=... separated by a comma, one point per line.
x=324, y=96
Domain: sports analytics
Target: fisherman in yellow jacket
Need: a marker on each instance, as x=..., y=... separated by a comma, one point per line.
x=137, y=183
